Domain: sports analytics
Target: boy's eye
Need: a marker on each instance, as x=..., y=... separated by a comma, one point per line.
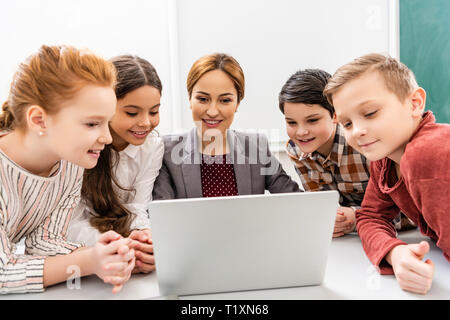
x=370, y=114
x=347, y=124
x=226, y=100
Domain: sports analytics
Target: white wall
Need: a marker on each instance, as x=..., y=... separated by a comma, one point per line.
x=270, y=38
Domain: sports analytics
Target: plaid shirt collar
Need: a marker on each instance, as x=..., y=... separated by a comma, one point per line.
x=335, y=156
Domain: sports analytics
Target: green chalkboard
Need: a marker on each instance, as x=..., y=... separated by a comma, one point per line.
x=425, y=49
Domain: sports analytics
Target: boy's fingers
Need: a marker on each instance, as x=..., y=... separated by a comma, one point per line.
x=338, y=234
x=422, y=269
x=420, y=249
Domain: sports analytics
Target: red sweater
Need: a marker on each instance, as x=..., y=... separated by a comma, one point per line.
x=422, y=193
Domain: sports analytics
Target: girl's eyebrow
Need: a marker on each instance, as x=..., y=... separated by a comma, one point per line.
x=132, y=106
x=140, y=108
x=96, y=117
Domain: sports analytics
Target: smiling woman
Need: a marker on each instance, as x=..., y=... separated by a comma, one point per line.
x=215, y=160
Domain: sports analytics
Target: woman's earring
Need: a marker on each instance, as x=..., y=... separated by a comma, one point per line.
x=41, y=133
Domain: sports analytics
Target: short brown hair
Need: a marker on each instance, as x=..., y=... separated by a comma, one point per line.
x=53, y=74
x=398, y=78
x=215, y=61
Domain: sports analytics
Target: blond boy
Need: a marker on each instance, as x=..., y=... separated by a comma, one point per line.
x=381, y=110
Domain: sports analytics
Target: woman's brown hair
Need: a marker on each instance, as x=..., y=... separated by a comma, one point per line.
x=52, y=75
x=98, y=183
x=215, y=61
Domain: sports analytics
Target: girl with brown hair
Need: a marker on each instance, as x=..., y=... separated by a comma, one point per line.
x=53, y=124
x=117, y=192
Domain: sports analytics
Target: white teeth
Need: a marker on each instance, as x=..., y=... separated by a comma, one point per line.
x=212, y=122
x=139, y=132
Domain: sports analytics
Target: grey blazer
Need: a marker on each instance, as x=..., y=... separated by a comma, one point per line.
x=255, y=168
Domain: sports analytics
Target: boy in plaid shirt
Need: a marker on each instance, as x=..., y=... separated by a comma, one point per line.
x=317, y=146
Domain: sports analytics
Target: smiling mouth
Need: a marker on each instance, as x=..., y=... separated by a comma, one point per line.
x=212, y=123
x=305, y=140
x=139, y=134
x=367, y=144
x=94, y=153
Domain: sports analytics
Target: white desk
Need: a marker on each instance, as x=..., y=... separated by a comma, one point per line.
x=349, y=275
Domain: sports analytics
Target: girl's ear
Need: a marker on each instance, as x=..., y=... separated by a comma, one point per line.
x=418, y=98
x=36, y=117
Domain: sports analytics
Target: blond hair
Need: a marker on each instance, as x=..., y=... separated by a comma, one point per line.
x=50, y=76
x=398, y=78
x=215, y=61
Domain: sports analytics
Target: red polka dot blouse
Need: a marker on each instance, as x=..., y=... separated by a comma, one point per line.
x=217, y=176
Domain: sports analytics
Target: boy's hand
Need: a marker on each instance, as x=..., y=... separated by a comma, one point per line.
x=411, y=272
x=345, y=221
x=143, y=246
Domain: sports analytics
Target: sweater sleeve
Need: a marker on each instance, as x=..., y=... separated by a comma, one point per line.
x=18, y=273
x=49, y=238
x=431, y=197
x=427, y=178
x=374, y=223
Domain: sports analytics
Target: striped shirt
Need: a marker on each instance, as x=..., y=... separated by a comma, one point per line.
x=344, y=170
x=39, y=209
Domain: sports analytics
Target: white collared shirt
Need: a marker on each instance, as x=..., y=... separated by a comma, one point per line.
x=137, y=168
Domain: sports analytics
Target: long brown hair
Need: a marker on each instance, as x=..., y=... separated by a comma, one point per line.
x=50, y=76
x=98, y=183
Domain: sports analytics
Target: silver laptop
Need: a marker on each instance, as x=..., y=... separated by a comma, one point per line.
x=208, y=245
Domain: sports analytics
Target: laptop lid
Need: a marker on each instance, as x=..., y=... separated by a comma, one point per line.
x=207, y=245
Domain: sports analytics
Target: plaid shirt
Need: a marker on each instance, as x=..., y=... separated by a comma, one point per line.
x=344, y=170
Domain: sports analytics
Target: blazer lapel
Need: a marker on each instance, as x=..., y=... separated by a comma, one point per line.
x=241, y=163
x=191, y=167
